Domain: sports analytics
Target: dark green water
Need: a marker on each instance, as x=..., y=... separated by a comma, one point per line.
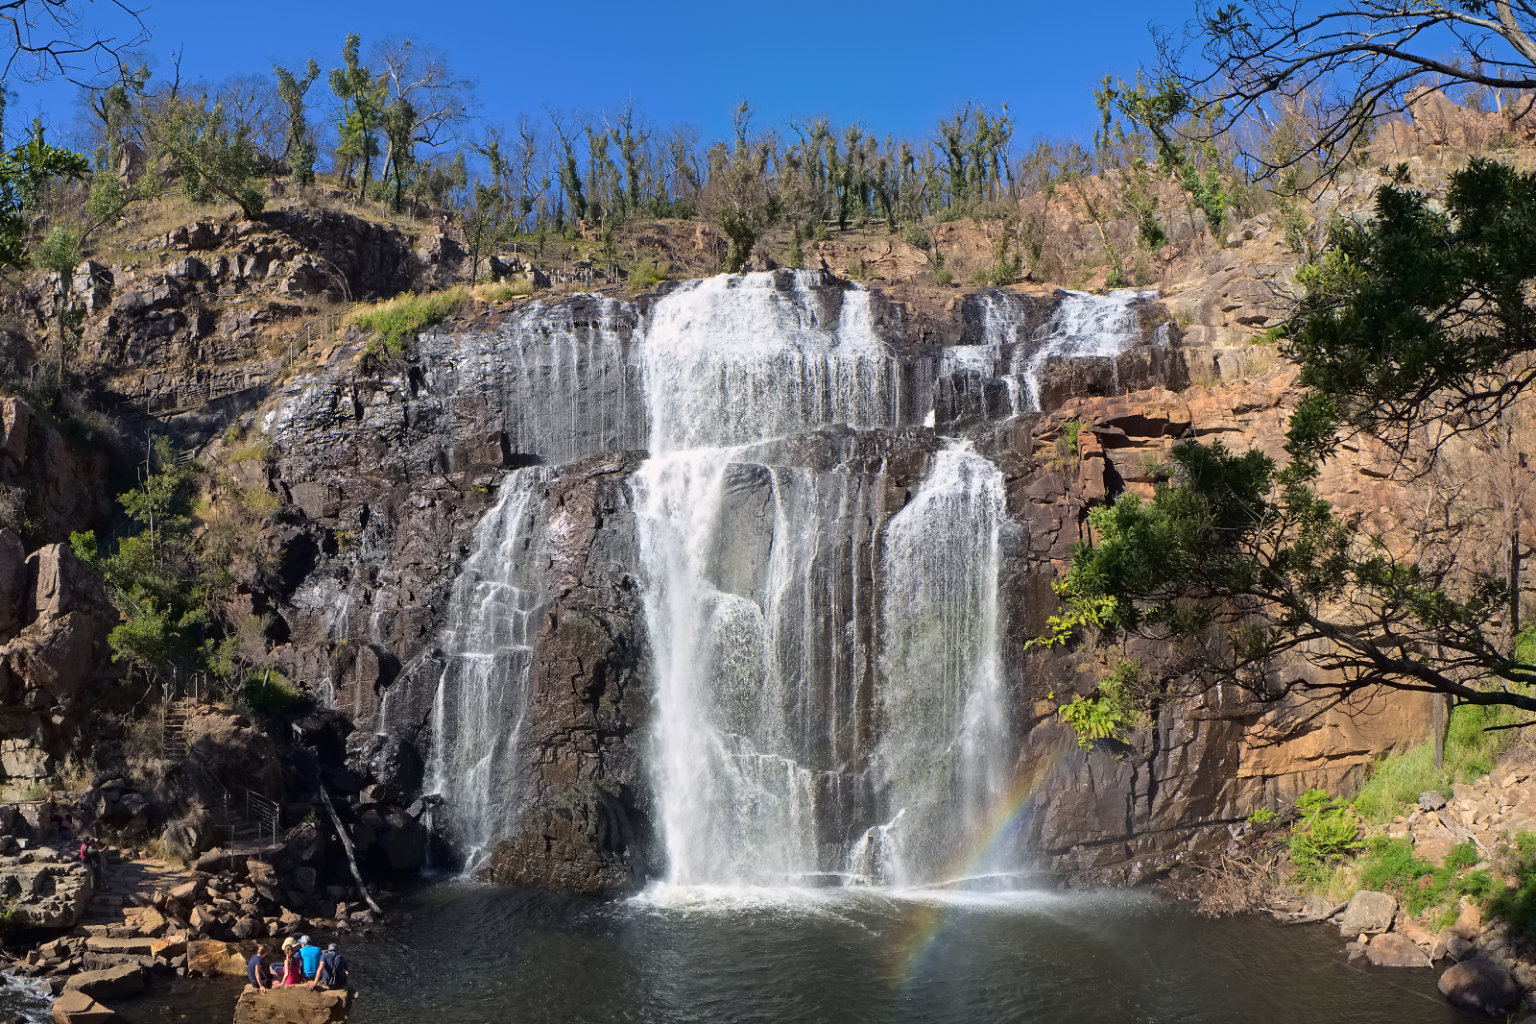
x=476, y=955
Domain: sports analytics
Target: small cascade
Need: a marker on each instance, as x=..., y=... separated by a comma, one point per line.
x=732, y=360
x=565, y=379
x=1083, y=326
x=489, y=652
x=946, y=749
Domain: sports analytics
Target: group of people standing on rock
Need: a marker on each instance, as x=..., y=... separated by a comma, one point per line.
x=303, y=964
x=62, y=825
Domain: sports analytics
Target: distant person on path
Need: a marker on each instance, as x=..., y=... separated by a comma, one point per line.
x=309, y=956
x=90, y=855
x=293, y=971
x=256, y=970
x=333, y=969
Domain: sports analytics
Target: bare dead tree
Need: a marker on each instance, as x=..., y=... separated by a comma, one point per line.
x=55, y=39
x=1349, y=64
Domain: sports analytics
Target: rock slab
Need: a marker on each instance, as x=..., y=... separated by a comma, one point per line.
x=111, y=983
x=1368, y=912
x=1395, y=950
x=293, y=1004
x=1480, y=985
x=79, y=1008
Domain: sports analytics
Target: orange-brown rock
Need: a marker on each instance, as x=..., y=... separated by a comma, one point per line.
x=293, y=1004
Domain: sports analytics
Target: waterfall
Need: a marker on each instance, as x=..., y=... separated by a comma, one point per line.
x=1083, y=326
x=489, y=653
x=945, y=751
x=745, y=746
x=829, y=699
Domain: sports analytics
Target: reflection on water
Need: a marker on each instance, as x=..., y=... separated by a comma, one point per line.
x=473, y=954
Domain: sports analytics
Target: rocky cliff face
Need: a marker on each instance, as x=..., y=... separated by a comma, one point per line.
x=384, y=478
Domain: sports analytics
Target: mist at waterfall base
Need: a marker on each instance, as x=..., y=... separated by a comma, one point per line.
x=834, y=762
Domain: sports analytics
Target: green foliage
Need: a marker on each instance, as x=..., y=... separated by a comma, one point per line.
x=1328, y=832
x=1262, y=816
x=1390, y=865
x=1427, y=301
x=645, y=274
x=25, y=172
x=211, y=158
x=153, y=576
x=397, y=321
x=1064, y=449
x=298, y=147
x=1111, y=710
x=270, y=692
x=362, y=97
x=60, y=251
x=1006, y=265
x=1517, y=905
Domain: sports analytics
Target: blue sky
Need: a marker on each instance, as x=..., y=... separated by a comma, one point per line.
x=895, y=67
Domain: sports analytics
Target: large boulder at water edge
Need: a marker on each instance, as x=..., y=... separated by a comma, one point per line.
x=209, y=958
x=110, y=983
x=1395, y=950
x=293, y=1004
x=1481, y=985
x=79, y=1008
x=1368, y=912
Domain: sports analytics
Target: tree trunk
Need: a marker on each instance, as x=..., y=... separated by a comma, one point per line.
x=1439, y=726
x=1514, y=588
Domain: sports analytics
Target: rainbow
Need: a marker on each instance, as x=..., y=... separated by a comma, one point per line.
x=1010, y=815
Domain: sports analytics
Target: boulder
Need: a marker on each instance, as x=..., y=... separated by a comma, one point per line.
x=209, y=958
x=79, y=1008
x=1368, y=912
x=111, y=983
x=1480, y=985
x=1429, y=800
x=292, y=1004
x=138, y=945
x=1395, y=950
x=1449, y=944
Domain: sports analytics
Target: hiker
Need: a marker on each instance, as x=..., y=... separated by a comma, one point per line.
x=293, y=971
x=52, y=815
x=309, y=957
x=91, y=857
x=333, y=969
x=256, y=969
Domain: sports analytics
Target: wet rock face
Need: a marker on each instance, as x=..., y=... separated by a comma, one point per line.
x=386, y=479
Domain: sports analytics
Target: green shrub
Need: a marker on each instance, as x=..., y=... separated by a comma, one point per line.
x=1392, y=866
x=1262, y=816
x=1111, y=709
x=1064, y=453
x=396, y=321
x=1328, y=832
x=270, y=692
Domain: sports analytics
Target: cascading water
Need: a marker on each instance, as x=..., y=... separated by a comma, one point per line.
x=730, y=362
x=829, y=696
x=489, y=650
x=945, y=750
x=1083, y=326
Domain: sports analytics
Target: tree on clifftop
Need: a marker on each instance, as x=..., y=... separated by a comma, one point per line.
x=1347, y=65
x=1418, y=327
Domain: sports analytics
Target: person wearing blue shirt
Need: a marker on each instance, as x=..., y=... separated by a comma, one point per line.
x=256, y=970
x=309, y=958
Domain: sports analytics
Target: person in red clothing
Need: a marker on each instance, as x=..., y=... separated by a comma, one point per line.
x=293, y=971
